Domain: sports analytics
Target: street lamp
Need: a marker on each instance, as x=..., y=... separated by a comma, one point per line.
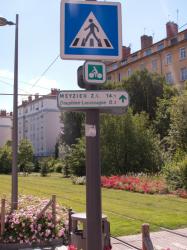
x=3, y=22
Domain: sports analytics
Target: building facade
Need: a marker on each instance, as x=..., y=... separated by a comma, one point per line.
x=167, y=57
x=5, y=127
x=39, y=122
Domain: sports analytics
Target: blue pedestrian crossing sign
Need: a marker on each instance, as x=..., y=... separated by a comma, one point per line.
x=90, y=30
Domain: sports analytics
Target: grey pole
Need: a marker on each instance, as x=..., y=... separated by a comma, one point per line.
x=15, y=124
x=93, y=184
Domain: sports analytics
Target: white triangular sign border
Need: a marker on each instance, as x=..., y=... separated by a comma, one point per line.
x=102, y=43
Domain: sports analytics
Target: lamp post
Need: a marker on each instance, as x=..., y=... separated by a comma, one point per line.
x=3, y=22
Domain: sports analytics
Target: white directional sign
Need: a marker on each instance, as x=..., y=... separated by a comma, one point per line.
x=90, y=30
x=92, y=99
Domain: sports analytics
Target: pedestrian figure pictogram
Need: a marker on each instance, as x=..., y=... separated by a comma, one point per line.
x=92, y=28
x=91, y=35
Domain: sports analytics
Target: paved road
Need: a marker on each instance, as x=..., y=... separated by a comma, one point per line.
x=162, y=240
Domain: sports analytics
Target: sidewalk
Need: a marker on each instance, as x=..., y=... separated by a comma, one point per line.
x=174, y=240
x=162, y=240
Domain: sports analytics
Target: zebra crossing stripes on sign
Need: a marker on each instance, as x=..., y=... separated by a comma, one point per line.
x=90, y=30
x=91, y=35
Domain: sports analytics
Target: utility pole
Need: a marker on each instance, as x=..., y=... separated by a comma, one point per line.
x=15, y=124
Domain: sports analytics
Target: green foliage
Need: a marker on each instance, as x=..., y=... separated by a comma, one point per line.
x=58, y=167
x=56, y=150
x=64, y=153
x=176, y=174
x=25, y=156
x=6, y=159
x=162, y=120
x=144, y=88
x=72, y=127
x=44, y=167
x=177, y=138
x=75, y=159
x=129, y=144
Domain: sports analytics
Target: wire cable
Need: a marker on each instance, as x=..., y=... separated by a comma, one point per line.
x=24, y=82
x=45, y=71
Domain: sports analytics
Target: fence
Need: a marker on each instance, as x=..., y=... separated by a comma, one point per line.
x=2, y=217
x=51, y=203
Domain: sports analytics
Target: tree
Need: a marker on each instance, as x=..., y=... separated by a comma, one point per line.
x=162, y=120
x=72, y=127
x=129, y=144
x=25, y=156
x=75, y=159
x=6, y=159
x=143, y=88
x=177, y=138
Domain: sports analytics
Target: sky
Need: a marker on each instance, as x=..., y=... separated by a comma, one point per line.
x=40, y=68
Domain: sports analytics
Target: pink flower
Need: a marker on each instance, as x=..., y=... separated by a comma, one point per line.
x=61, y=232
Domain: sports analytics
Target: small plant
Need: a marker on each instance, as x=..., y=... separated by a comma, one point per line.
x=25, y=226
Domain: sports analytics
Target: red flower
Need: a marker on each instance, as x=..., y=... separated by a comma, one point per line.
x=72, y=247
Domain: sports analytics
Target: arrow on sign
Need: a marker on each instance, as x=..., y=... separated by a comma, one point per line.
x=122, y=98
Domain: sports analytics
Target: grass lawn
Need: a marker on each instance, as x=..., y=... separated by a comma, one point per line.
x=126, y=211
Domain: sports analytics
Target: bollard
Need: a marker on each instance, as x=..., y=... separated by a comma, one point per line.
x=146, y=240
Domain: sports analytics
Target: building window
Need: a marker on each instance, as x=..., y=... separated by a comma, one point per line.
x=182, y=53
x=173, y=41
x=169, y=78
x=119, y=77
x=114, y=66
x=169, y=58
x=129, y=72
x=142, y=66
x=183, y=74
x=160, y=46
x=109, y=78
x=147, y=52
x=154, y=65
x=124, y=62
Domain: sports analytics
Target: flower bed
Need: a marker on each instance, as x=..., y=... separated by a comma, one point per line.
x=143, y=184
x=24, y=226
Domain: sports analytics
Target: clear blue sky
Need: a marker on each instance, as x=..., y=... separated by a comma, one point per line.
x=39, y=40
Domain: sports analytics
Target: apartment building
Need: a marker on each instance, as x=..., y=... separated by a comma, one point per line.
x=5, y=127
x=167, y=57
x=39, y=122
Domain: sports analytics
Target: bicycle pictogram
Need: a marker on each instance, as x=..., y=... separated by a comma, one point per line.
x=95, y=74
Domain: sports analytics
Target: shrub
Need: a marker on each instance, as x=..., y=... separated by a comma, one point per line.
x=58, y=167
x=44, y=168
x=5, y=159
x=75, y=158
x=79, y=180
x=176, y=174
x=26, y=226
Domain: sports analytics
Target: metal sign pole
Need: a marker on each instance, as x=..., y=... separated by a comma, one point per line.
x=93, y=183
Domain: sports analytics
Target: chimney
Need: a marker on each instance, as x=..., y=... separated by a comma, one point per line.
x=126, y=51
x=24, y=102
x=146, y=41
x=54, y=91
x=171, y=29
x=36, y=96
x=3, y=113
x=30, y=98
